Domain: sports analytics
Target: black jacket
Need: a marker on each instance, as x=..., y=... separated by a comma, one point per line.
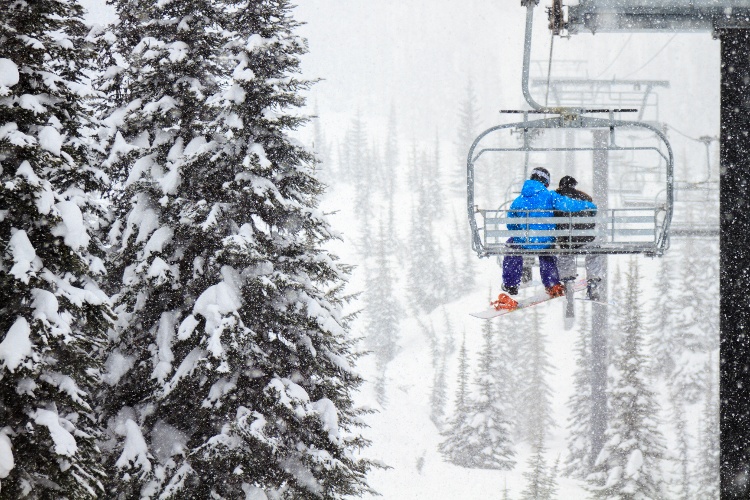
x=564, y=241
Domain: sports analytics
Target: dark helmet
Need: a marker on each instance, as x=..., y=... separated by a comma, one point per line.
x=540, y=174
x=568, y=182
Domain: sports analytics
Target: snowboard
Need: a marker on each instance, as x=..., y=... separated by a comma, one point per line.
x=532, y=301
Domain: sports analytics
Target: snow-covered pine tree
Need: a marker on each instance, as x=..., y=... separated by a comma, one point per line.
x=661, y=320
x=707, y=466
x=391, y=161
x=357, y=167
x=536, y=395
x=691, y=323
x=464, y=269
x=413, y=173
x=322, y=149
x=579, y=460
x=382, y=309
x=468, y=127
x=681, y=488
x=506, y=492
x=169, y=68
x=233, y=372
x=541, y=480
x=426, y=277
x=432, y=184
x=53, y=316
x=489, y=415
x=438, y=394
x=514, y=345
x=455, y=448
x=629, y=465
x=364, y=200
x=352, y=159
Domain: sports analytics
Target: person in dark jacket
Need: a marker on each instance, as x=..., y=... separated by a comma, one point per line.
x=535, y=201
x=566, y=264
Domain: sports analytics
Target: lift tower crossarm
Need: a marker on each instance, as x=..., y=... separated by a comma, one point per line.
x=628, y=16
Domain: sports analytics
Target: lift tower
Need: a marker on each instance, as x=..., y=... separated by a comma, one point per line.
x=729, y=21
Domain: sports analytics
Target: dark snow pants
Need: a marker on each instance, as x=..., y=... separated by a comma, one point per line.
x=513, y=268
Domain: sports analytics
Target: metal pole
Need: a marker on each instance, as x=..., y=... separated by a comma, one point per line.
x=599, y=310
x=527, y=57
x=734, y=245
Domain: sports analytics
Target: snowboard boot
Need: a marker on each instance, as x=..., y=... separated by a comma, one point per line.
x=592, y=289
x=557, y=290
x=504, y=301
x=512, y=290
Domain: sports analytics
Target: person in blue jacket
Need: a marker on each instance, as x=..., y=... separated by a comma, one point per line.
x=535, y=197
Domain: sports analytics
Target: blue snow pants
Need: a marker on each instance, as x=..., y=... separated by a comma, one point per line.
x=513, y=267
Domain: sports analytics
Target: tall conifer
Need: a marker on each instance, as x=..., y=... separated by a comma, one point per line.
x=489, y=415
x=53, y=316
x=456, y=447
x=536, y=393
x=579, y=460
x=630, y=462
x=235, y=367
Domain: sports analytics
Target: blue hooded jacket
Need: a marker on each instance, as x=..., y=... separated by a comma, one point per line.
x=534, y=196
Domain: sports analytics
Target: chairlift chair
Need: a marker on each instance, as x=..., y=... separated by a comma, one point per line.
x=619, y=230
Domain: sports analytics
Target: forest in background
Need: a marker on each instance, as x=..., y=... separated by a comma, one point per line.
x=402, y=204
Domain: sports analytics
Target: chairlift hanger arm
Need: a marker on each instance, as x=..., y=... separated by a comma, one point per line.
x=530, y=4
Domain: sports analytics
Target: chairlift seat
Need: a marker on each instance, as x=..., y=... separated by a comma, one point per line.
x=616, y=231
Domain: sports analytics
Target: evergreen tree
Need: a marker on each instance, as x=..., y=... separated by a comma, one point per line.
x=233, y=364
x=579, y=459
x=661, y=321
x=353, y=159
x=391, y=161
x=536, y=396
x=506, y=493
x=514, y=345
x=465, y=270
x=468, y=128
x=357, y=165
x=541, y=481
x=414, y=173
x=629, y=464
x=691, y=323
x=683, y=488
x=456, y=448
x=707, y=470
x=426, y=277
x=53, y=316
x=321, y=149
x=432, y=184
x=383, y=310
x=438, y=395
x=489, y=411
